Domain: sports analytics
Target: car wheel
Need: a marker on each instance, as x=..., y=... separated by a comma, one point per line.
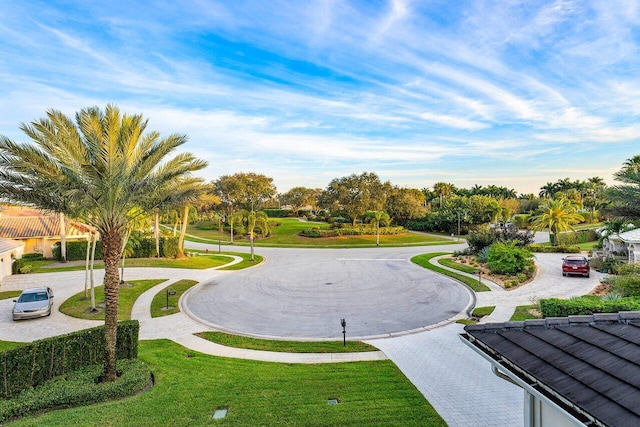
x=564, y=274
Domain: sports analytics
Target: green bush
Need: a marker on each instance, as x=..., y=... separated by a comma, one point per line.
x=76, y=250
x=521, y=220
x=36, y=362
x=350, y=231
x=77, y=388
x=33, y=257
x=168, y=247
x=554, y=249
x=507, y=258
x=581, y=236
x=554, y=307
x=17, y=265
x=478, y=240
x=627, y=285
x=277, y=213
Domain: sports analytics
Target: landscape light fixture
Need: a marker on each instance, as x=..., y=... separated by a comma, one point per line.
x=343, y=323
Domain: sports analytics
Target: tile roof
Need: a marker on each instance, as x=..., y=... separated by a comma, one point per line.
x=7, y=245
x=590, y=365
x=24, y=227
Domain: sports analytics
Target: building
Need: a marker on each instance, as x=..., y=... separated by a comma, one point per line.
x=575, y=371
x=9, y=250
x=40, y=233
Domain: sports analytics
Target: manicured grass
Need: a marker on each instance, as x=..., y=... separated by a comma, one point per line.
x=423, y=261
x=286, y=346
x=287, y=234
x=160, y=300
x=194, y=262
x=77, y=305
x=9, y=294
x=190, y=386
x=246, y=260
x=448, y=262
x=483, y=311
x=522, y=313
x=7, y=345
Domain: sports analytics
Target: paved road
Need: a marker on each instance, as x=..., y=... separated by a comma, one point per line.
x=304, y=294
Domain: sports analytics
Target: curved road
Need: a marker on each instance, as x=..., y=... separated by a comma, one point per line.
x=304, y=293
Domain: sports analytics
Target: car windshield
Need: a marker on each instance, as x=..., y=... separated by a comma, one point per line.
x=33, y=296
x=575, y=260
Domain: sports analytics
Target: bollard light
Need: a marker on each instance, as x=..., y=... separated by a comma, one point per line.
x=343, y=323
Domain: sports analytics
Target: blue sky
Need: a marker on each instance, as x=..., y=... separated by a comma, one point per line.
x=512, y=93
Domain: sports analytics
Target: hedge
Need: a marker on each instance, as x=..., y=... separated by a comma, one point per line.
x=581, y=236
x=551, y=249
x=31, y=364
x=350, y=231
x=144, y=248
x=554, y=307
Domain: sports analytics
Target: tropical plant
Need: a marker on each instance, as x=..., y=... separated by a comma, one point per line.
x=253, y=220
x=626, y=196
x=103, y=165
x=557, y=216
x=507, y=258
x=378, y=217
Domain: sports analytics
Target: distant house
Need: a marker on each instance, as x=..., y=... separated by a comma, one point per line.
x=9, y=250
x=625, y=244
x=40, y=233
x=575, y=371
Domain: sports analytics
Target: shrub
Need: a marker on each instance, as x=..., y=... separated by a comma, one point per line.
x=77, y=388
x=17, y=265
x=551, y=249
x=33, y=363
x=277, y=213
x=521, y=220
x=626, y=285
x=507, y=258
x=478, y=240
x=554, y=307
x=350, y=231
x=168, y=247
x=33, y=257
x=582, y=236
x=76, y=250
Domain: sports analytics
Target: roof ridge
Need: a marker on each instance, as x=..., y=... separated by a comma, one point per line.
x=622, y=317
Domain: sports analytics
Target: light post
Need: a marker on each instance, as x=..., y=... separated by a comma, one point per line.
x=458, y=226
x=479, y=273
x=343, y=323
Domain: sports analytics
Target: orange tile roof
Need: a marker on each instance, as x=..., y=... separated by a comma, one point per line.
x=25, y=227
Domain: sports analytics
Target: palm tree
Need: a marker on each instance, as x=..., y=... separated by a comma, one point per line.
x=379, y=217
x=548, y=190
x=254, y=220
x=556, y=215
x=104, y=164
x=626, y=196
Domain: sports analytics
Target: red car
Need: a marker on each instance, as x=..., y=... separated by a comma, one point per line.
x=575, y=264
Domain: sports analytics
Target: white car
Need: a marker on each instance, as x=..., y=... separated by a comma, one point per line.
x=35, y=302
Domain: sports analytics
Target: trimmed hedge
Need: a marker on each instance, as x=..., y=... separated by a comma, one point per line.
x=77, y=388
x=350, y=231
x=31, y=364
x=580, y=236
x=144, y=248
x=551, y=249
x=554, y=307
x=277, y=213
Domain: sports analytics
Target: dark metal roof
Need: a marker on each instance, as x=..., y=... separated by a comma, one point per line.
x=590, y=365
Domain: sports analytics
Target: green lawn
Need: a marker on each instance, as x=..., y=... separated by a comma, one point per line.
x=522, y=313
x=423, y=261
x=246, y=260
x=77, y=305
x=160, y=300
x=9, y=294
x=465, y=268
x=287, y=234
x=190, y=386
x=286, y=346
x=194, y=262
x=483, y=311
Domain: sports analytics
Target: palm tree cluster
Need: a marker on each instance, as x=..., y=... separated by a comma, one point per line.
x=105, y=169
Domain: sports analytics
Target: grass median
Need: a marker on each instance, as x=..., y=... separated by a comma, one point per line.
x=159, y=303
x=286, y=346
x=79, y=306
x=424, y=261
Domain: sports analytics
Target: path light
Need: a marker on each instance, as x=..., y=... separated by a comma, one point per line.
x=479, y=273
x=343, y=323
x=169, y=292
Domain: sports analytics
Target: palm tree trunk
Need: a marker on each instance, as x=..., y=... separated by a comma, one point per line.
x=231, y=221
x=156, y=232
x=378, y=233
x=93, y=259
x=86, y=268
x=111, y=250
x=183, y=232
x=63, y=238
x=251, y=239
